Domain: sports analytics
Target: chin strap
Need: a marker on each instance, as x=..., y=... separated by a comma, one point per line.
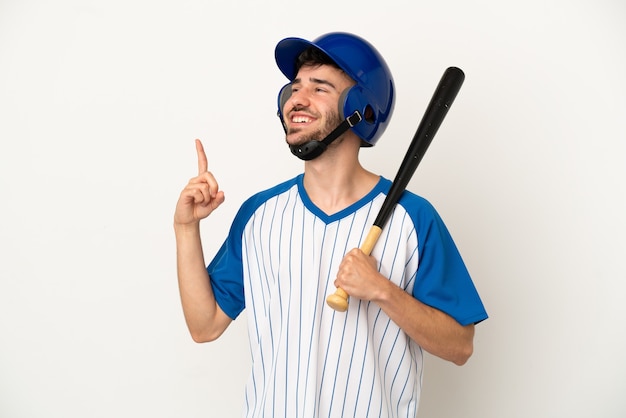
x=313, y=149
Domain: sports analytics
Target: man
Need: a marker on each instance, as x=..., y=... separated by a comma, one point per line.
x=292, y=245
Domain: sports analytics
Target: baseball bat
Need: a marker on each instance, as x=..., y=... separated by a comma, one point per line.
x=440, y=103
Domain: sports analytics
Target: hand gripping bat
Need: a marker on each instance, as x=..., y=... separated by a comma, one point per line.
x=440, y=103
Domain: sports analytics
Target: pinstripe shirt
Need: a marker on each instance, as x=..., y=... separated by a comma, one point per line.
x=280, y=261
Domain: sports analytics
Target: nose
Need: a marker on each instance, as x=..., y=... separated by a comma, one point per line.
x=298, y=99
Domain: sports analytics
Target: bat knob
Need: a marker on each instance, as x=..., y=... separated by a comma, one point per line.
x=338, y=300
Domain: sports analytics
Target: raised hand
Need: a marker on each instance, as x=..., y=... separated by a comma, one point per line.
x=201, y=196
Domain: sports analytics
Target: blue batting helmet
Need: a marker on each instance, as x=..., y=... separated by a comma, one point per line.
x=373, y=94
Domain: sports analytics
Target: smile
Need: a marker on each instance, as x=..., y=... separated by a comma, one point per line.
x=301, y=119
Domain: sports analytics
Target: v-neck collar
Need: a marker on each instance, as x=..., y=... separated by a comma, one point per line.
x=381, y=187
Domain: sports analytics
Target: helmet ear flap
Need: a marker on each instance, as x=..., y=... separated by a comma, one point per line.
x=283, y=95
x=343, y=104
x=357, y=99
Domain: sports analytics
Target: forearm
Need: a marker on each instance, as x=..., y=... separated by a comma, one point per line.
x=205, y=320
x=435, y=331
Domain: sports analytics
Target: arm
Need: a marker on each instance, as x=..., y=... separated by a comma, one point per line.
x=204, y=318
x=434, y=330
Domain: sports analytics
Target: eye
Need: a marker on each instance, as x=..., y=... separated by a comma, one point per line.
x=295, y=86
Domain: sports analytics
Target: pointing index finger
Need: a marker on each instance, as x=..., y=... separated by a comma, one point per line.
x=202, y=161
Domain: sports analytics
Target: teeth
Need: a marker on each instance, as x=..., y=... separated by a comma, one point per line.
x=300, y=119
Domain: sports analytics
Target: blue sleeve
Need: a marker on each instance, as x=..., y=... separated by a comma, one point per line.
x=442, y=280
x=226, y=268
x=226, y=273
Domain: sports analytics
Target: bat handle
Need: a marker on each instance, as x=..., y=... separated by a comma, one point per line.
x=339, y=300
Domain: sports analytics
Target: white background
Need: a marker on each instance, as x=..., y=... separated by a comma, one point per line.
x=100, y=102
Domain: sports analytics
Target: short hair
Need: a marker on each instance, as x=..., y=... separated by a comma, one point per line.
x=314, y=57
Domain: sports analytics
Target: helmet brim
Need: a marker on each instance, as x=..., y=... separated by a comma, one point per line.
x=287, y=52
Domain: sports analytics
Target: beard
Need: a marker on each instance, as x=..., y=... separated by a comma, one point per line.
x=332, y=121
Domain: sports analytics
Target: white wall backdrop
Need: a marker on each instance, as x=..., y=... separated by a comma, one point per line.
x=100, y=102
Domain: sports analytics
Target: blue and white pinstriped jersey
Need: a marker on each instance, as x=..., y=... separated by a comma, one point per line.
x=280, y=261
